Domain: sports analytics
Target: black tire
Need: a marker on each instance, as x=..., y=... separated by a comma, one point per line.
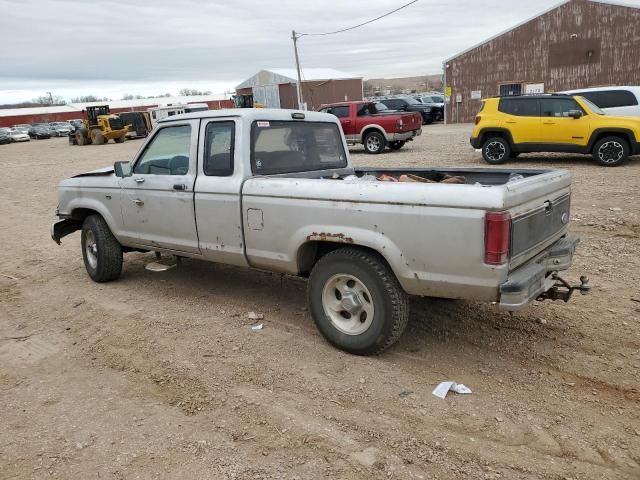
x=496, y=150
x=101, y=252
x=384, y=297
x=611, y=151
x=96, y=137
x=81, y=136
x=396, y=145
x=374, y=143
x=119, y=139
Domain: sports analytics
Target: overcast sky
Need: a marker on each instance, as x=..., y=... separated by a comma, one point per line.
x=80, y=47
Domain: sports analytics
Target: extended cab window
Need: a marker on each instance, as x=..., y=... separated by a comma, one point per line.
x=341, y=111
x=218, y=154
x=168, y=153
x=558, y=107
x=521, y=107
x=289, y=146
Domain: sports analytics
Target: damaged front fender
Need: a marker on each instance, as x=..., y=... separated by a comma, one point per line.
x=62, y=228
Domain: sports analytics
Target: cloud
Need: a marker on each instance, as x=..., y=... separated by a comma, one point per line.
x=90, y=47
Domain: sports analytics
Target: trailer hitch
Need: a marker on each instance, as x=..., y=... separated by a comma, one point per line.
x=562, y=290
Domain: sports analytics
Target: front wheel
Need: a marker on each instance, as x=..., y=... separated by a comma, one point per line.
x=611, y=151
x=101, y=252
x=396, y=145
x=356, y=301
x=374, y=142
x=496, y=150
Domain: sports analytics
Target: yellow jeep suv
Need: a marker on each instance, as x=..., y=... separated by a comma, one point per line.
x=508, y=126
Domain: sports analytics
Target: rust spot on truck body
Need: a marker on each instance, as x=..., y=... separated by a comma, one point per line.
x=329, y=237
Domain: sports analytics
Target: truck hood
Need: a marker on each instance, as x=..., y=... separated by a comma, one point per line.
x=99, y=172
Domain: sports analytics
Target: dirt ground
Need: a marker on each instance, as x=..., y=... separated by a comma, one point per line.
x=159, y=375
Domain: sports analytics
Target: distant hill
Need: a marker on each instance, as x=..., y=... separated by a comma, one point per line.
x=386, y=86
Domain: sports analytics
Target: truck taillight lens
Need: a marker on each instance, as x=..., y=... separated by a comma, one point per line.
x=400, y=123
x=478, y=118
x=497, y=237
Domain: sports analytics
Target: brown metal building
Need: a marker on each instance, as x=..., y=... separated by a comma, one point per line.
x=577, y=44
x=276, y=88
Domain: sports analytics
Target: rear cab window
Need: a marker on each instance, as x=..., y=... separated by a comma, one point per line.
x=290, y=146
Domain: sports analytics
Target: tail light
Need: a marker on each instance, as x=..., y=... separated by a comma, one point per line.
x=478, y=118
x=497, y=237
x=400, y=124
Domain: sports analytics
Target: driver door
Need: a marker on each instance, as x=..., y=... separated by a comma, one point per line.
x=157, y=199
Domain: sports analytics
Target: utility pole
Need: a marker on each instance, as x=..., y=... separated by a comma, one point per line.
x=294, y=37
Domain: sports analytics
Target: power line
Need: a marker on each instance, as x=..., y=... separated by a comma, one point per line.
x=355, y=26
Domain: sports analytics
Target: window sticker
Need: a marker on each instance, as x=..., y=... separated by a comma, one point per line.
x=263, y=124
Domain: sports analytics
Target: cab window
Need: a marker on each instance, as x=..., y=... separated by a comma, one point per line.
x=219, y=143
x=167, y=154
x=558, y=107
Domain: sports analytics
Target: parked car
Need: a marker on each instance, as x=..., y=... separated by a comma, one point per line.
x=410, y=104
x=436, y=103
x=275, y=190
x=508, y=126
x=374, y=125
x=39, y=131
x=4, y=136
x=18, y=136
x=619, y=101
x=60, y=129
x=22, y=126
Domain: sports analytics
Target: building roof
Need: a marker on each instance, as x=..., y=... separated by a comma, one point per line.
x=277, y=76
x=135, y=103
x=612, y=3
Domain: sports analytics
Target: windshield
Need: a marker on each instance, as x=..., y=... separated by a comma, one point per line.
x=412, y=101
x=380, y=107
x=289, y=146
x=593, y=107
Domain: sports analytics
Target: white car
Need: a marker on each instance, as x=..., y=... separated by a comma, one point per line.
x=616, y=101
x=18, y=135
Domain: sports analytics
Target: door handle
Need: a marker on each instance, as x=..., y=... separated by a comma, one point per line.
x=139, y=179
x=179, y=186
x=138, y=202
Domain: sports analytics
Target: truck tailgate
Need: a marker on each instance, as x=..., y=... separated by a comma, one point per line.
x=540, y=213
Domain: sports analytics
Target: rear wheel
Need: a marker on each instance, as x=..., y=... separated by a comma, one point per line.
x=356, y=301
x=374, y=142
x=119, y=139
x=396, y=145
x=611, y=151
x=496, y=150
x=101, y=252
x=96, y=137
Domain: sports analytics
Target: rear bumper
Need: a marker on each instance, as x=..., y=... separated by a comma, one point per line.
x=534, y=279
x=395, y=137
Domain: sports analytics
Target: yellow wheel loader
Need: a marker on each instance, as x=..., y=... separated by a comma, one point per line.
x=99, y=126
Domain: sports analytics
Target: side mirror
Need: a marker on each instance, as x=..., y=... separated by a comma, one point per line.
x=122, y=169
x=575, y=114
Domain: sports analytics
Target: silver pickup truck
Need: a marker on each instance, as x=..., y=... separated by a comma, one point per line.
x=275, y=190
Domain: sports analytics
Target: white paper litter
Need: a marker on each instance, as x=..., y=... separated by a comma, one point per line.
x=444, y=387
x=158, y=267
x=260, y=326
